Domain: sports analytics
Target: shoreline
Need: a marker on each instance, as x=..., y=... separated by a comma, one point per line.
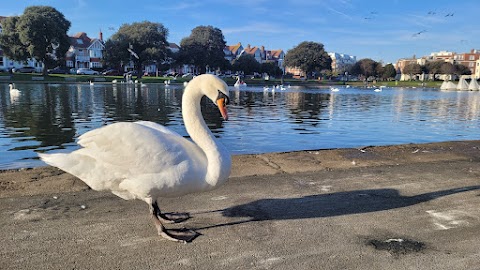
x=49, y=180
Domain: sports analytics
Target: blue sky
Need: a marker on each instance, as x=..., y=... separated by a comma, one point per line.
x=384, y=30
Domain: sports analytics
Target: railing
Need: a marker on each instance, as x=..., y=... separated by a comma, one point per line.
x=82, y=58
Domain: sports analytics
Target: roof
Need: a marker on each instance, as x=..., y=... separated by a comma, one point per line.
x=173, y=46
x=234, y=48
x=251, y=50
x=80, y=40
x=275, y=53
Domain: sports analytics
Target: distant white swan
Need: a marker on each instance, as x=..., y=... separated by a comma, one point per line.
x=91, y=83
x=147, y=161
x=166, y=82
x=12, y=89
x=334, y=89
x=114, y=81
x=14, y=92
x=239, y=83
x=378, y=90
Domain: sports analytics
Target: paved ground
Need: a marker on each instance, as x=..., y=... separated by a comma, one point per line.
x=396, y=207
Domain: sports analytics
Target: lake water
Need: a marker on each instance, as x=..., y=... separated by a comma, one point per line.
x=50, y=117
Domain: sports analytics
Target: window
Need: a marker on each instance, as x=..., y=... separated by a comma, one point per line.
x=472, y=57
x=79, y=41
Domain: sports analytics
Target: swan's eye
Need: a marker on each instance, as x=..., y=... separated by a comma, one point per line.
x=225, y=97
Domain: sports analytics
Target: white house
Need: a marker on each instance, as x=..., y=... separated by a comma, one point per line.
x=85, y=52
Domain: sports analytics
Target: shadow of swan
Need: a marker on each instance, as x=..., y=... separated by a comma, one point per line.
x=328, y=205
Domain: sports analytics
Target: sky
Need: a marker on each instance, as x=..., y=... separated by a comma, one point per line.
x=383, y=30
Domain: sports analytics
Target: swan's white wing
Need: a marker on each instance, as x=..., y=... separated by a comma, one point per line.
x=132, y=159
x=157, y=127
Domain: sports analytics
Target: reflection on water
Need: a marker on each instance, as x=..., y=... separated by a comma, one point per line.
x=50, y=117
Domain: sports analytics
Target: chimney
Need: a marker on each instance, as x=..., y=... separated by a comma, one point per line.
x=101, y=35
x=248, y=46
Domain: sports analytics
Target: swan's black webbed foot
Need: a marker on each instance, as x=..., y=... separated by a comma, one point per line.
x=168, y=218
x=173, y=217
x=179, y=235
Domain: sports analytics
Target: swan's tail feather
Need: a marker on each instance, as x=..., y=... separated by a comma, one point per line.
x=58, y=160
x=86, y=169
x=77, y=165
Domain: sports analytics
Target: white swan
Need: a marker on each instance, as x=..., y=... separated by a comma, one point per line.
x=91, y=83
x=167, y=82
x=378, y=90
x=334, y=89
x=239, y=83
x=14, y=92
x=144, y=160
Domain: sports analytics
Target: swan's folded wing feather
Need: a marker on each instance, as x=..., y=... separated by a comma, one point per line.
x=138, y=147
x=158, y=127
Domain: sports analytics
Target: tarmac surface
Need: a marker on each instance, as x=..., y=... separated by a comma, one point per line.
x=394, y=207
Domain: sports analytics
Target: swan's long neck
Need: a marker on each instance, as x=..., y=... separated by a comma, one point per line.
x=218, y=158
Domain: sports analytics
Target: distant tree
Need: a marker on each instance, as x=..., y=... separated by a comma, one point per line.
x=366, y=67
x=204, y=47
x=461, y=70
x=112, y=55
x=308, y=56
x=379, y=70
x=389, y=72
x=246, y=63
x=412, y=69
x=447, y=68
x=271, y=68
x=434, y=67
x=10, y=40
x=147, y=40
x=40, y=33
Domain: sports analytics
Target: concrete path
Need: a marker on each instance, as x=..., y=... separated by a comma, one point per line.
x=397, y=207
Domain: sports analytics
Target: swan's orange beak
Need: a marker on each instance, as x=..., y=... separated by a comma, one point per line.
x=222, y=108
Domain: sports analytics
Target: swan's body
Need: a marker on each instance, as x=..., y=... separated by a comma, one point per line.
x=334, y=89
x=239, y=83
x=144, y=160
x=91, y=83
x=378, y=90
x=14, y=92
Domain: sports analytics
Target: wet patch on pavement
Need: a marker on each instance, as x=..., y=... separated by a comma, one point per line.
x=397, y=246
